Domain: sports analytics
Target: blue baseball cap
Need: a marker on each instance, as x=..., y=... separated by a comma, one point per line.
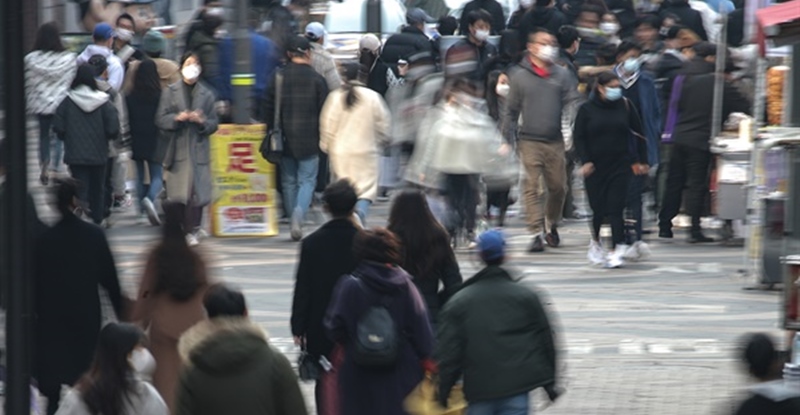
x=103, y=31
x=492, y=245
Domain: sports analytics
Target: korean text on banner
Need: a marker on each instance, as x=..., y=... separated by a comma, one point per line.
x=244, y=183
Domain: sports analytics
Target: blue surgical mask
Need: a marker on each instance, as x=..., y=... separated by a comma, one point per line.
x=632, y=65
x=613, y=94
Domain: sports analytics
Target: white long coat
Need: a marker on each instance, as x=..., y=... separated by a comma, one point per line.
x=354, y=137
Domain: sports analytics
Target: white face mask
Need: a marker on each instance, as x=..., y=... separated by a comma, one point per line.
x=482, y=35
x=142, y=362
x=190, y=72
x=502, y=90
x=526, y=3
x=124, y=35
x=609, y=28
x=548, y=53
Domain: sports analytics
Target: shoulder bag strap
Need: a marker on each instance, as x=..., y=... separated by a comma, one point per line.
x=278, y=92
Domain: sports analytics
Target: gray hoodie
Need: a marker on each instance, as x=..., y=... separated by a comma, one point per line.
x=535, y=105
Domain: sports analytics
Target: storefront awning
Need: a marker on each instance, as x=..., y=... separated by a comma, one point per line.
x=779, y=23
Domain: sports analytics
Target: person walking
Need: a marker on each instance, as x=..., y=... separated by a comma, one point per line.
x=170, y=299
x=116, y=165
x=410, y=41
x=187, y=117
x=462, y=139
x=688, y=16
x=354, y=127
x=540, y=94
x=771, y=395
x=495, y=10
x=73, y=259
x=146, y=142
x=86, y=121
x=123, y=36
x=477, y=41
x=230, y=367
x=543, y=14
x=153, y=45
x=690, y=158
x=103, y=39
x=606, y=130
x=427, y=254
x=204, y=44
x=378, y=298
x=113, y=385
x=302, y=97
x=496, y=333
x=49, y=70
x=321, y=60
x=639, y=88
x=325, y=256
x=499, y=183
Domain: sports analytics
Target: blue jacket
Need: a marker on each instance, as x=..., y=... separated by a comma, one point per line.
x=649, y=107
x=265, y=61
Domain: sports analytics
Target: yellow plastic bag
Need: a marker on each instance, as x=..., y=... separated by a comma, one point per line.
x=422, y=400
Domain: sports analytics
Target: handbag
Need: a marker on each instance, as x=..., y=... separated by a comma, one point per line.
x=422, y=400
x=273, y=144
x=308, y=367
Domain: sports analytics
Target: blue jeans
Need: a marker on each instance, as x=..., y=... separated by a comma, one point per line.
x=362, y=209
x=512, y=405
x=48, y=141
x=156, y=180
x=299, y=178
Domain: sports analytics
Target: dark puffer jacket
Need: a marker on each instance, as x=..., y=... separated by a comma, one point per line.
x=402, y=45
x=86, y=120
x=230, y=368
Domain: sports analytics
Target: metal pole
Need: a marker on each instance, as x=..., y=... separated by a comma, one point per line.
x=243, y=78
x=374, y=21
x=17, y=244
x=719, y=79
x=792, y=107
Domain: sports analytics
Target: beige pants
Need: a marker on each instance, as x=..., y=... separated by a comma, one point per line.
x=543, y=163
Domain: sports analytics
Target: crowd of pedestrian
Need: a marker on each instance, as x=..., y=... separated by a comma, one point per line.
x=619, y=96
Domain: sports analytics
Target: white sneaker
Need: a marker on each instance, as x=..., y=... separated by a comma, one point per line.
x=615, y=258
x=596, y=255
x=632, y=254
x=642, y=250
x=152, y=213
x=192, y=240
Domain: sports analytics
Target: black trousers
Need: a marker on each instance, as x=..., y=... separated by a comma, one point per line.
x=91, y=190
x=109, y=187
x=569, y=200
x=688, y=169
x=462, y=196
x=608, y=193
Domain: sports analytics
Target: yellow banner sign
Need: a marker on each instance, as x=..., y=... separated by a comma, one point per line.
x=244, y=183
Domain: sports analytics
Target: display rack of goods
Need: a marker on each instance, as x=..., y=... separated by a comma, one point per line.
x=776, y=81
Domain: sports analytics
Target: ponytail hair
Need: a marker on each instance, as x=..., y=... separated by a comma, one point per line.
x=350, y=70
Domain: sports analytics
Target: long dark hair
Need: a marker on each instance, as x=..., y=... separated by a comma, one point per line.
x=350, y=71
x=146, y=82
x=106, y=385
x=180, y=271
x=66, y=194
x=48, y=38
x=492, y=100
x=85, y=76
x=425, y=242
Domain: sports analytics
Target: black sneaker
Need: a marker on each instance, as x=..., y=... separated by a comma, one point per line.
x=699, y=238
x=665, y=233
x=537, y=245
x=552, y=238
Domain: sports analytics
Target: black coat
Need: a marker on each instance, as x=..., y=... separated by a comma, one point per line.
x=72, y=260
x=145, y=135
x=549, y=18
x=688, y=16
x=771, y=398
x=86, y=134
x=695, y=107
x=409, y=41
x=484, y=54
x=493, y=7
x=303, y=95
x=325, y=256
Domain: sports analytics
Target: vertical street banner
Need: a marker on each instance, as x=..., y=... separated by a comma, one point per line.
x=244, y=201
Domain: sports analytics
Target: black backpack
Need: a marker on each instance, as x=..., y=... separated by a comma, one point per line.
x=376, y=339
